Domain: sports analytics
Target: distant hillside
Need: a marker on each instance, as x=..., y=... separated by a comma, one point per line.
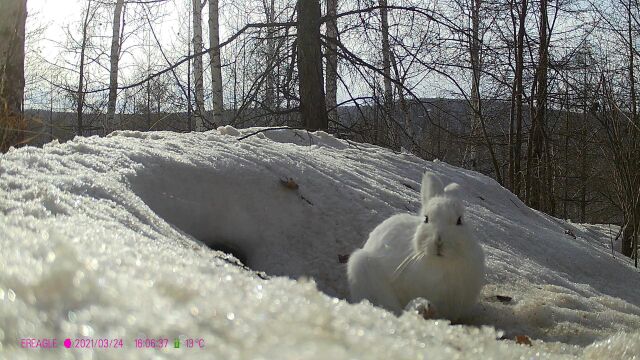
x=441, y=129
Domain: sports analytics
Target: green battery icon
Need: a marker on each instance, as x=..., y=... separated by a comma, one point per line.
x=176, y=343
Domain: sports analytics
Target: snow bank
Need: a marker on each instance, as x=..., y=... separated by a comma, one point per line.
x=102, y=238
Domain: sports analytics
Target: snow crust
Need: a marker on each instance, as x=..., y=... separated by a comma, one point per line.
x=103, y=238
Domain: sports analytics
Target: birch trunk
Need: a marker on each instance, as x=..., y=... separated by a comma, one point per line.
x=215, y=63
x=81, y=73
x=198, y=77
x=386, y=66
x=114, y=59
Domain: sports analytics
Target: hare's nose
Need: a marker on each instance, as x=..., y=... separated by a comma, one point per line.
x=439, y=244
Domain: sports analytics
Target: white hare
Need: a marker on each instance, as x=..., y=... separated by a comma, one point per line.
x=431, y=256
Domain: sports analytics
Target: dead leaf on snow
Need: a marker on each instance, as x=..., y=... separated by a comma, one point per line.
x=289, y=184
x=523, y=340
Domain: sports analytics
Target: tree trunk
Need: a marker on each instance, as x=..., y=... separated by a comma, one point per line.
x=519, y=89
x=190, y=126
x=479, y=132
x=630, y=233
x=114, y=59
x=536, y=162
x=407, y=138
x=83, y=46
x=332, y=60
x=386, y=67
x=474, y=52
x=313, y=108
x=565, y=194
x=215, y=63
x=198, y=76
x=550, y=189
x=270, y=60
x=12, y=33
x=632, y=78
x=584, y=168
x=148, y=105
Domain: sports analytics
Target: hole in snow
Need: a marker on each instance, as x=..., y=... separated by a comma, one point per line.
x=228, y=247
x=244, y=210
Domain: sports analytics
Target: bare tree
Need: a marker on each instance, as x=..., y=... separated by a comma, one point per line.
x=630, y=41
x=89, y=13
x=622, y=140
x=198, y=72
x=116, y=41
x=628, y=162
x=622, y=147
x=476, y=71
x=332, y=60
x=536, y=155
x=270, y=55
x=12, y=40
x=516, y=117
x=386, y=66
x=312, y=99
x=215, y=62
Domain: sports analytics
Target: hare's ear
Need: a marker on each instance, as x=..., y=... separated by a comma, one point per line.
x=453, y=189
x=431, y=186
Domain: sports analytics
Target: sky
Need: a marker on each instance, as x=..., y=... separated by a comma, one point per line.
x=48, y=27
x=54, y=15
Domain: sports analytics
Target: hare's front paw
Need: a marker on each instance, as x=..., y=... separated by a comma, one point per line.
x=421, y=306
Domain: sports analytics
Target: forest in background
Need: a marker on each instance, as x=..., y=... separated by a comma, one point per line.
x=540, y=95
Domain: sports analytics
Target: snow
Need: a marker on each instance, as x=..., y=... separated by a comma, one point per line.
x=102, y=238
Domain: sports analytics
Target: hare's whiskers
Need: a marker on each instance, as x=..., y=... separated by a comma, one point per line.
x=406, y=262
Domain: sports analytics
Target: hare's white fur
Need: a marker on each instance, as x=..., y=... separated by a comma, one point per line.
x=407, y=258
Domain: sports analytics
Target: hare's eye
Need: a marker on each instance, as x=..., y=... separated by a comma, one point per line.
x=426, y=219
x=459, y=221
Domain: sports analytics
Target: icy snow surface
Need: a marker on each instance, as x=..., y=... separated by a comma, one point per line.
x=101, y=238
